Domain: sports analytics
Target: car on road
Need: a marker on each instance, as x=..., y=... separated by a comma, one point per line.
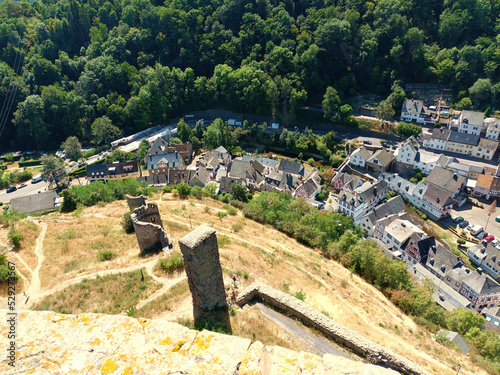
x=489, y=238
x=458, y=219
x=20, y=186
x=11, y=189
x=463, y=224
x=367, y=142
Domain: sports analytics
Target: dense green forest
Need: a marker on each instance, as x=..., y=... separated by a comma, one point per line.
x=128, y=64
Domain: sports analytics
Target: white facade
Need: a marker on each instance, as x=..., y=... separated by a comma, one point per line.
x=357, y=159
x=471, y=122
x=412, y=111
x=406, y=154
x=397, y=232
x=493, y=129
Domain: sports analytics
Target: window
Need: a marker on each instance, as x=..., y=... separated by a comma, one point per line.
x=457, y=284
x=448, y=278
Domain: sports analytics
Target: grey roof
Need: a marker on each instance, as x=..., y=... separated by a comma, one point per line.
x=271, y=163
x=459, y=167
x=488, y=144
x=349, y=181
x=238, y=169
x=34, y=203
x=468, y=139
x=481, y=283
x=456, y=339
x=364, y=193
x=290, y=181
x=446, y=180
x=202, y=175
x=473, y=117
x=493, y=124
x=441, y=134
x=363, y=151
x=476, y=168
x=384, y=157
x=412, y=142
x=437, y=196
x=438, y=258
x=487, y=253
x=413, y=106
x=310, y=187
x=289, y=166
x=391, y=207
x=97, y=171
x=173, y=159
x=221, y=150
x=158, y=147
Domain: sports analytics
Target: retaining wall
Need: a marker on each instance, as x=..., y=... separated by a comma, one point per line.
x=359, y=344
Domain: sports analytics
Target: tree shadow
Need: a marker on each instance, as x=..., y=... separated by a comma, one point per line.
x=216, y=320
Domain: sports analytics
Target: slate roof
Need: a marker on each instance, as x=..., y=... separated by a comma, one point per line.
x=413, y=106
x=412, y=142
x=441, y=134
x=468, y=139
x=384, y=157
x=34, y=203
x=267, y=162
x=115, y=169
x=488, y=144
x=493, y=124
x=437, y=196
x=393, y=206
x=481, y=283
x=202, y=175
x=310, y=187
x=208, y=160
x=221, y=150
x=363, y=151
x=289, y=166
x=349, y=181
x=401, y=230
x=473, y=117
x=290, y=181
x=438, y=258
x=97, y=171
x=158, y=147
x=238, y=169
x=364, y=193
x=446, y=180
x=486, y=253
x=173, y=159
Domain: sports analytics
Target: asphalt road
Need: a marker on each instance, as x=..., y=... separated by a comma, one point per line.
x=476, y=215
x=28, y=190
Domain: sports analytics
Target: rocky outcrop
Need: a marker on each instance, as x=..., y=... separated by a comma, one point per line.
x=51, y=343
x=201, y=260
x=312, y=317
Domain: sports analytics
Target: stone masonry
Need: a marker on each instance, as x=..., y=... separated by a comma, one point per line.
x=201, y=260
x=134, y=202
x=51, y=343
x=374, y=352
x=149, y=229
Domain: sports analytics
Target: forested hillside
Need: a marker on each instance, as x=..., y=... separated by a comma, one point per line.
x=66, y=64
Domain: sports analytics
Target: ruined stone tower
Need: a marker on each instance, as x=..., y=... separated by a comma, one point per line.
x=134, y=202
x=148, y=226
x=201, y=260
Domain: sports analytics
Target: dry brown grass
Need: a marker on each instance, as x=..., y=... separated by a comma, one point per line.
x=168, y=302
x=110, y=294
x=257, y=250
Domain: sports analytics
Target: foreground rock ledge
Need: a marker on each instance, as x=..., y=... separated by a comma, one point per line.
x=51, y=343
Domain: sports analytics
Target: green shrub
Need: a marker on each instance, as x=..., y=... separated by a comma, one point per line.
x=15, y=237
x=310, y=161
x=196, y=191
x=300, y=295
x=127, y=224
x=172, y=263
x=221, y=215
x=232, y=211
x=105, y=255
x=166, y=189
x=461, y=241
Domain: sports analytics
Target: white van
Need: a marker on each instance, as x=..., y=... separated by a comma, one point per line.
x=36, y=179
x=476, y=229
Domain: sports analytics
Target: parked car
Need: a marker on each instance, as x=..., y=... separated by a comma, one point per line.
x=11, y=189
x=463, y=224
x=20, y=186
x=497, y=246
x=458, y=219
x=470, y=226
x=497, y=219
x=489, y=238
x=495, y=242
x=482, y=234
x=367, y=142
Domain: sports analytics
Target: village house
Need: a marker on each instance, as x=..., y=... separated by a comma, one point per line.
x=393, y=206
x=487, y=257
x=180, y=176
x=161, y=163
x=405, y=156
x=380, y=161
x=399, y=231
x=471, y=122
x=345, y=181
x=289, y=166
x=185, y=150
x=359, y=157
x=485, y=149
x=413, y=111
x=359, y=202
x=380, y=225
x=462, y=143
x=450, y=182
x=200, y=178
x=308, y=189
x=210, y=161
x=492, y=128
x=437, y=140
x=270, y=165
x=223, y=155
x=97, y=172
x=426, y=162
x=121, y=171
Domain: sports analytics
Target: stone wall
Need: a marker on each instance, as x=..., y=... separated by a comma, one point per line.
x=134, y=202
x=53, y=343
x=359, y=344
x=149, y=229
x=201, y=261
